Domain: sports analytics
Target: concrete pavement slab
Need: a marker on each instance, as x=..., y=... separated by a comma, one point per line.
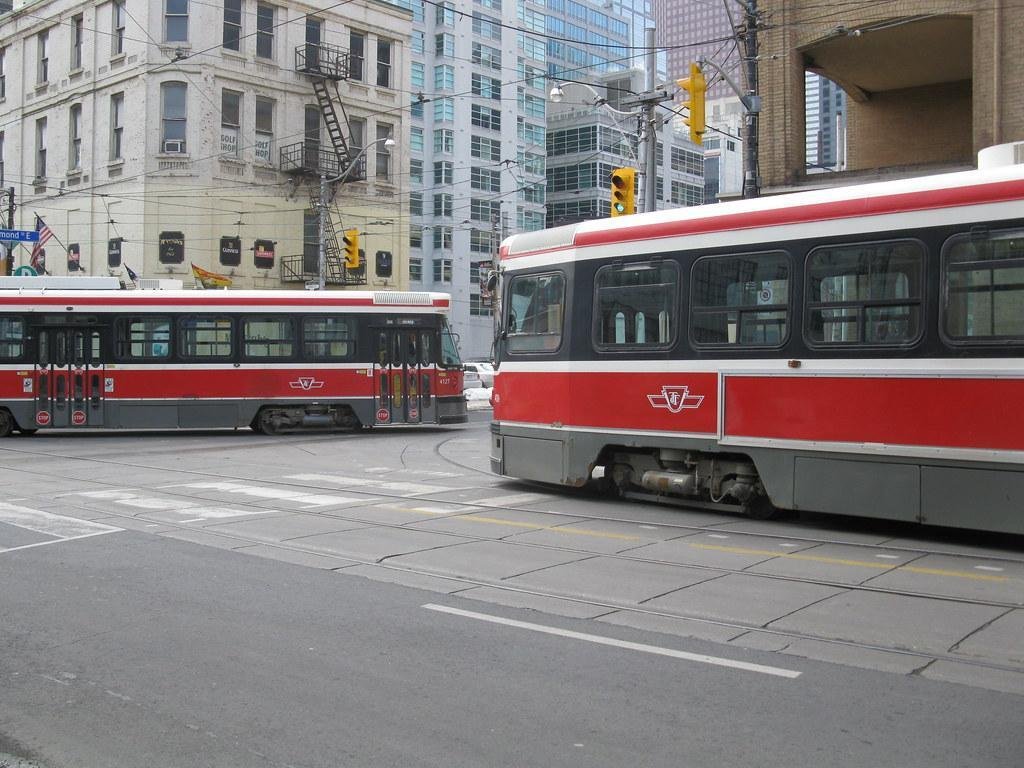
x=541, y=603
x=834, y=562
x=601, y=536
x=12, y=536
x=377, y=543
x=669, y=625
x=981, y=579
x=958, y=544
x=407, y=578
x=204, y=538
x=719, y=550
x=290, y=526
x=761, y=641
x=1003, y=639
x=296, y=557
x=853, y=656
x=494, y=524
x=973, y=675
x=744, y=599
x=615, y=580
x=135, y=524
x=487, y=560
x=917, y=624
x=803, y=530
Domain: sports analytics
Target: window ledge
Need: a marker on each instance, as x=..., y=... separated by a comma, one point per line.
x=117, y=58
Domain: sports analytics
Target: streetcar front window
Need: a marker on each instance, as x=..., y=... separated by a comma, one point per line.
x=536, y=308
x=449, y=349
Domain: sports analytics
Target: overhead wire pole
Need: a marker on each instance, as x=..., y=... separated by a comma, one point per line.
x=651, y=155
x=751, y=175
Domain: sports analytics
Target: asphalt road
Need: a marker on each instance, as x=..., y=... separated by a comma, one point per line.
x=139, y=630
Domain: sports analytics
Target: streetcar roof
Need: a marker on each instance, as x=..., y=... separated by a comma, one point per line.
x=988, y=194
x=43, y=299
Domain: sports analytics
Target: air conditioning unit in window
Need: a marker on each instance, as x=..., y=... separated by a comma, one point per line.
x=174, y=147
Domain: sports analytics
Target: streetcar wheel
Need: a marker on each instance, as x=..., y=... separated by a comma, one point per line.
x=268, y=424
x=760, y=508
x=6, y=423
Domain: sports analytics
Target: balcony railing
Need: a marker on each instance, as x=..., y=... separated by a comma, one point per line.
x=304, y=269
x=322, y=60
x=313, y=159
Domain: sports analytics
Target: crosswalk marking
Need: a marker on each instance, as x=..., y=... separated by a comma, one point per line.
x=59, y=527
x=406, y=489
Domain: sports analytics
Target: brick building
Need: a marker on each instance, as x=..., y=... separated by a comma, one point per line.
x=928, y=84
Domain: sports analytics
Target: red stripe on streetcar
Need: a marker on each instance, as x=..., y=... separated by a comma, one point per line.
x=114, y=301
x=947, y=413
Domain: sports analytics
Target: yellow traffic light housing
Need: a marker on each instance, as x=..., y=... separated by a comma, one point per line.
x=696, y=87
x=623, y=184
x=351, y=241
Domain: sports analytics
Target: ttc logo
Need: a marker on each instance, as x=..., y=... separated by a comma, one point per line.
x=675, y=399
x=306, y=383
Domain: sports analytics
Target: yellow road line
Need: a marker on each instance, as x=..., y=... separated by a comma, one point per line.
x=555, y=529
x=855, y=563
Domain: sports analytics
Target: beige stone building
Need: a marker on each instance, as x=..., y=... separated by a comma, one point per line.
x=928, y=82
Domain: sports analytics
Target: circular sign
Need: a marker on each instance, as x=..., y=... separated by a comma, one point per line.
x=383, y=414
x=765, y=296
x=25, y=272
x=78, y=418
x=42, y=418
x=414, y=414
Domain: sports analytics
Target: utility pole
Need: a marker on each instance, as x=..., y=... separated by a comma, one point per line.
x=751, y=174
x=647, y=101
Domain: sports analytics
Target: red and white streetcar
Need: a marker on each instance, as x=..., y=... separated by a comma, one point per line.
x=856, y=351
x=271, y=360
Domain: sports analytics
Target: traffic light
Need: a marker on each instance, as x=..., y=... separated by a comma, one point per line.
x=351, y=241
x=623, y=191
x=695, y=86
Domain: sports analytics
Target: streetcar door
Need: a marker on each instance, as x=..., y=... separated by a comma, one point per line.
x=403, y=382
x=68, y=378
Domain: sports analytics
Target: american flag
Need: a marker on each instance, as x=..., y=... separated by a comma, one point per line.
x=45, y=233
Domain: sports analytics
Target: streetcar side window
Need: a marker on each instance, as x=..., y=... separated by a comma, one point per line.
x=204, y=336
x=143, y=338
x=268, y=337
x=740, y=300
x=867, y=293
x=328, y=338
x=12, y=338
x=983, y=287
x=535, y=311
x=635, y=305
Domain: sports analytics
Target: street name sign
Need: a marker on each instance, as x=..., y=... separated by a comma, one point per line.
x=19, y=235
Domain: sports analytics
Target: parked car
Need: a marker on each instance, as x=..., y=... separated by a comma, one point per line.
x=470, y=379
x=484, y=370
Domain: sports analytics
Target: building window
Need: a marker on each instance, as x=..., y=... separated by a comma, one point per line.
x=444, y=14
x=75, y=138
x=444, y=77
x=356, y=54
x=357, y=128
x=444, y=141
x=442, y=270
x=443, y=205
x=529, y=105
x=415, y=237
x=443, y=173
x=482, y=241
x=486, y=87
x=384, y=62
x=485, y=117
x=176, y=21
x=484, y=210
x=2, y=155
x=486, y=26
x=485, y=180
x=77, y=31
x=116, y=126
x=264, y=129
x=232, y=25
x=485, y=149
x=416, y=270
x=3, y=73
x=41, y=148
x=174, y=110
x=416, y=171
x=416, y=139
x=117, y=28
x=444, y=110
x=415, y=203
x=417, y=79
x=230, y=122
x=42, y=48
x=384, y=132
x=486, y=56
x=265, y=31
x=442, y=237
x=444, y=44
x=418, y=41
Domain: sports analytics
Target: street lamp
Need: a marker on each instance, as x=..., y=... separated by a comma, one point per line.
x=324, y=182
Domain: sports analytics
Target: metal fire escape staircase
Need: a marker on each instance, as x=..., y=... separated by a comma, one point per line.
x=326, y=65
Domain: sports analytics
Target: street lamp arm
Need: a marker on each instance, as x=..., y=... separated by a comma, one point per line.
x=387, y=142
x=751, y=102
x=557, y=94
